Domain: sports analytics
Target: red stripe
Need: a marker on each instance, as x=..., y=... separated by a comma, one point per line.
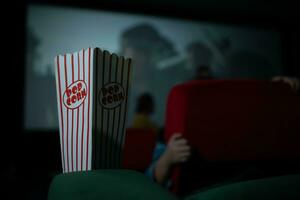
x=77, y=117
x=61, y=114
x=72, y=60
x=88, y=130
x=82, y=113
x=66, y=80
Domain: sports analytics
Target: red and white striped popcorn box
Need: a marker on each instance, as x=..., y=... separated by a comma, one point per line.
x=92, y=94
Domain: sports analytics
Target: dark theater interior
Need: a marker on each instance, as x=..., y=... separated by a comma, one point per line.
x=212, y=110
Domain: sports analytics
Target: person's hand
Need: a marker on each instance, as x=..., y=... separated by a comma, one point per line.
x=293, y=82
x=178, y=150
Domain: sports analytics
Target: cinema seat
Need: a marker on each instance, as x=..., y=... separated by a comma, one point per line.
x=275, y=188
x=234, y=126
x=106, y=184
x=138, y=149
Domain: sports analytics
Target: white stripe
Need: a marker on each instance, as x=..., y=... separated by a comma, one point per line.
x=91, y=109
x=59, y=110
x=76, y=112
x=64, y=110
x=69, y=82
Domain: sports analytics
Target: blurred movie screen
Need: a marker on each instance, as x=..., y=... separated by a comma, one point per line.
x=165, y=52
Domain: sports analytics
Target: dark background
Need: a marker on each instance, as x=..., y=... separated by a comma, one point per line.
x=30, y=160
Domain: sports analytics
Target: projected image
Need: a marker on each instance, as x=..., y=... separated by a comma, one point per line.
x=165, y=52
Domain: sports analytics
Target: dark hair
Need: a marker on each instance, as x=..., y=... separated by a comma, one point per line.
x=203, y=72
x=145, y=103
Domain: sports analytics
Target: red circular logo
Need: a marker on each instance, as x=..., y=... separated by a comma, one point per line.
x=75, y=94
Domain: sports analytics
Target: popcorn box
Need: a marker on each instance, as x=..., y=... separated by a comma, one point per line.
x=92, y=94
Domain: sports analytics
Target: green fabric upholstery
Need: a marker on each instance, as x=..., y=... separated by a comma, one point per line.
x=106, y=184
x=281, y=187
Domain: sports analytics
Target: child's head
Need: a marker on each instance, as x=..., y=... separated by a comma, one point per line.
x=145, y=104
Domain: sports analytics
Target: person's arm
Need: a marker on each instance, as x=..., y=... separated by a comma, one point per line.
x=177, y=151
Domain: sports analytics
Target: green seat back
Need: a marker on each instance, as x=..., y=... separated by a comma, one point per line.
x=106, y=184
x=281, y=187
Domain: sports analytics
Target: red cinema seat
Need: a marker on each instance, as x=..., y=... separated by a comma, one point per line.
x=235, y=120
x=138, y=149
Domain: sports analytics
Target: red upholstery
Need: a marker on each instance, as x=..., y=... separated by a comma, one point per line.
x=138, y=148
x=235, y=119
